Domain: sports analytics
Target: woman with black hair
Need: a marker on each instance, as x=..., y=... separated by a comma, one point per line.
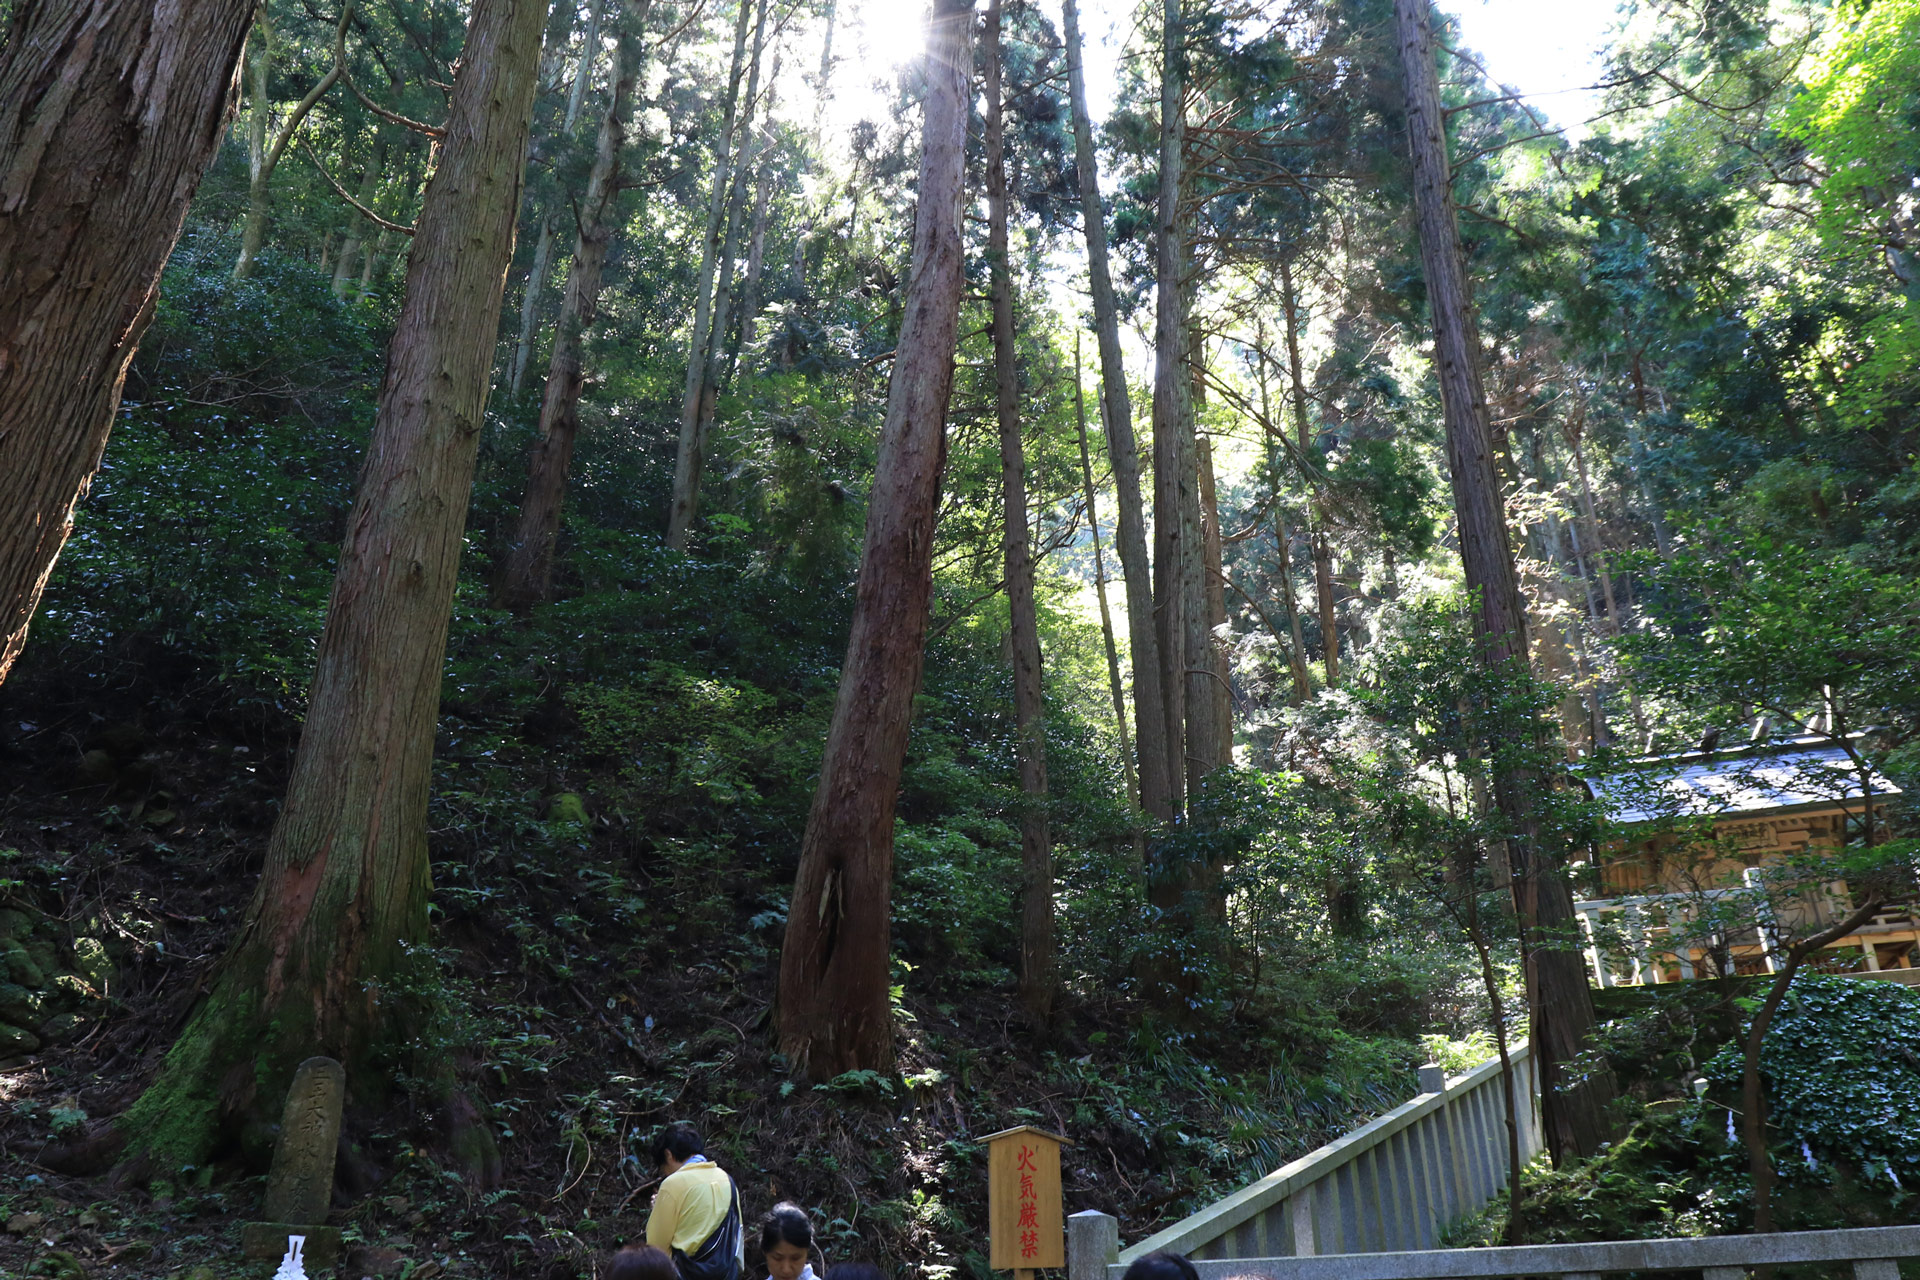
x=786, y=1243
x=1161, y=1266
x=641, y=1262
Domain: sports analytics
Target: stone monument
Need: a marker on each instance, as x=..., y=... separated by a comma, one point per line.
x=300, y=1182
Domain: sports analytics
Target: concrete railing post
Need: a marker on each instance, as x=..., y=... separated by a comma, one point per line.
x=1093, y=1244
x=1300, y=1211
x=1433, y=1078
x=1876, y=1268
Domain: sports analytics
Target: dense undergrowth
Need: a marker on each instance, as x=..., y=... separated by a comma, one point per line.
x=622, y=782
x=1841, y=1067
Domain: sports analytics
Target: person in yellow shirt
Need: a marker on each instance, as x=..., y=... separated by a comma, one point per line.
x=696, y=1212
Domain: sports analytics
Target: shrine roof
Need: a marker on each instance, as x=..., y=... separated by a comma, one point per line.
x=1796, y=774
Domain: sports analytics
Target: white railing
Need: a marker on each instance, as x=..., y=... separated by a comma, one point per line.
x=1648, y=939
x=1873, y=1252
x=1392, y=1184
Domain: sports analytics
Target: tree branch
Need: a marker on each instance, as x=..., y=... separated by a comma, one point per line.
x=341, y=191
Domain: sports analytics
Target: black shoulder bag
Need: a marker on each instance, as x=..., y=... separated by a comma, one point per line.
x=719, y=1257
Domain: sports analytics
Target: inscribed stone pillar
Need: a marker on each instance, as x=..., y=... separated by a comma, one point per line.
x=300, y=1184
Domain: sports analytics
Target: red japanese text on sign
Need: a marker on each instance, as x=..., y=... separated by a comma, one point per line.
x=1029, y=1205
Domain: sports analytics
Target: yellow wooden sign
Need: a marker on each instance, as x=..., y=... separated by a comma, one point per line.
x=1025, y=1226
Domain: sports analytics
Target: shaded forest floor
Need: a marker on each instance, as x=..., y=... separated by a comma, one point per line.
x=595, y=985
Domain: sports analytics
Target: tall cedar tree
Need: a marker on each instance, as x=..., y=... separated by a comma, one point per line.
x=536, y=286
x=343, y=897
x=1029, y=709
x=1559, y=1002
x=717, y=365
x=835, y=1014
x=110, y=111
x=688, y=455
x=527, y=576
x=1320, y=542
x=1123, y=451
x=1193, y=712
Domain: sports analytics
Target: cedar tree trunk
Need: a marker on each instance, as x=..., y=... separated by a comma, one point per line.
x=1114, y=685
x=110, y=110
x=543, y=247
x=343, y=896
x=708, y=400
x=688, y=456
x=1029, y=709
x=527, y=577
x=1130, y=538
x=1317, y=538
x=1220, y=679
x=1561, y=1005
x=1283, y=541
x=834, y=1011
x=1173, y=463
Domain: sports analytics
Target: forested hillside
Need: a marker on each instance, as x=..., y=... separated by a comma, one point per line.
x=860, y=574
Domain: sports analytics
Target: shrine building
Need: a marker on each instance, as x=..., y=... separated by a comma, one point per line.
x=1718, y=872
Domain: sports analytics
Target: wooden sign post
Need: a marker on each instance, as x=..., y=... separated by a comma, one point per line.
x=1025, y=1227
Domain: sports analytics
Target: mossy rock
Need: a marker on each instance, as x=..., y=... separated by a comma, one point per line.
x=23, y=968
x=567, y=807
x=46, y=957
x=14, y=924
x=59, y=1265
x=20, y=1005
x=96, y=767
x=16, y=1040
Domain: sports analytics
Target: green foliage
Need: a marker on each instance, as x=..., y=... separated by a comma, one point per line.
x=245, y=415
x=1841, y=1069
x=1649, y=1184
x=1841, y=1066
x=1746, y=620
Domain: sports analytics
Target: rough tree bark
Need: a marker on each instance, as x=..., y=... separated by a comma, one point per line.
x=1173, y=461
x=1029, y=708
x=834, y=1013
x=687, y=456
x=1560, y=1005
x=1130, y=539
x=1202, y=701
x=343, y=896
x=527, y=574
x=110, y=111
